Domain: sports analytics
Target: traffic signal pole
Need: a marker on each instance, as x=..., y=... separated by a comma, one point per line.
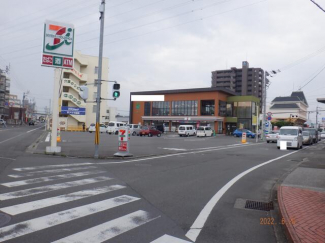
x=99, y=82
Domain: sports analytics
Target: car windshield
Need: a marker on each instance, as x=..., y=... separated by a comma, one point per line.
x=311, y=131
x=111, y=124
x=305, y=133
x=200, y=129
x=181, y=128
x=288, y=131
x=92, y=124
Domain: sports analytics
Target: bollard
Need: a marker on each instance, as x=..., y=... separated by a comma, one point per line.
x=243, y=138
x=58, y=137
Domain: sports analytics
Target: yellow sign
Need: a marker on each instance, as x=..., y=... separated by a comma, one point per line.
x=243, y=138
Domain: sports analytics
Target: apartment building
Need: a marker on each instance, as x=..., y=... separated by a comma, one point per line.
x=245, y=81
x=4, y=94
x=74, y=112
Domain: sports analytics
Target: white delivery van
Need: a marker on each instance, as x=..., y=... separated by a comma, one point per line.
x=134, y=129
x=292, y=135
x=204, y=131
x=113, y=127
x=186, y=130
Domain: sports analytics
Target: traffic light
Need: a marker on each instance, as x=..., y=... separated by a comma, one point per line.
x=83, y=92
x=116, y=91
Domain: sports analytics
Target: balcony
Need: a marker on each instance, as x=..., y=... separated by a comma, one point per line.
x=75, y=100
x=71, y=84
x=77, y=74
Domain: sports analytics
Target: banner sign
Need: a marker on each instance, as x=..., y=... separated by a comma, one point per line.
x=58, y=44
x=73, y=110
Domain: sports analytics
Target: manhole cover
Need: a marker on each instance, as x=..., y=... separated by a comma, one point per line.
x=4, y=219
x=263, y=206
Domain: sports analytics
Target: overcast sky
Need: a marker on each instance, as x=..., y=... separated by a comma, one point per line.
x=172, y=44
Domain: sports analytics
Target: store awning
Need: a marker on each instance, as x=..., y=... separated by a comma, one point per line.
x=321, y=100
x=182, y=118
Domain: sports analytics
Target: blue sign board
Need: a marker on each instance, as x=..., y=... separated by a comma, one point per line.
x=73, y=110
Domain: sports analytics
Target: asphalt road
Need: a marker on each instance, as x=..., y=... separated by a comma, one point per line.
x=186, y=197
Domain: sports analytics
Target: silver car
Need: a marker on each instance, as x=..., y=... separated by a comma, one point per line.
x=307, y=138
x=272, y=136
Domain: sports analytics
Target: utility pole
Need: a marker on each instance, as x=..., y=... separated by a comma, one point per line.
x=99, y=80
x=264, y=105
x=317, y=117
x=22, y=110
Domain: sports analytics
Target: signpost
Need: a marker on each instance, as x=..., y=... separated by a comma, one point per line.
x=73, y=110
x=243, y=138
x=57, y=52
x=124, y=136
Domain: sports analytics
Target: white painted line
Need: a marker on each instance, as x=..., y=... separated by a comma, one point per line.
x=169, y=239
x=34, y=129
x=47, y=139
x=54, y=187
x=19, y=135
x=110, y=229
x=177, y=149
x=178, y=154
x=7, y=158
x=47, y=202
x=50, y=166
x=33, y=173
x=199, y=223
x=33, y=225
x=50, y=178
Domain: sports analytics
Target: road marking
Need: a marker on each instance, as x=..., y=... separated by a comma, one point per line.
x=34, y=129
x=7, y=158
x=50, y=166
x=110, y=229
x=54, y=187
x=33, y=173
x=169, y=239
x=50, y=178
x=47, y=139
x=199, y=223
x=33, y=225
x=19, y=135
x=47, y=202
x=178, y=154
x=177, y=149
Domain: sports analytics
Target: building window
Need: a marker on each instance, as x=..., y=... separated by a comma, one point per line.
x=244, y=110
x=222, y=108
x=207, y=108
x=96, y=70
x=94, y=108
x=184, y=108
x=147, y=108
x=66, y=75
x=229, y=109
x=160, y=108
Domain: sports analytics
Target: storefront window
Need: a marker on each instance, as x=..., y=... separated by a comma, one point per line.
x=184, y=108
x=244, y=110
x=229, y=109
x=147, y=108
x=160, y=108
x=222, y=108
x=207, y=108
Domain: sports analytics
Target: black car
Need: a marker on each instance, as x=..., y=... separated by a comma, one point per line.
x=31, y=123
x=160, y=128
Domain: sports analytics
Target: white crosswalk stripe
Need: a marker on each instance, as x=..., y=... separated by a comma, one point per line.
x=47, y=202
x=50, y=166
x=169, y=239
x=33, y=225
x=33, y=173
x=110, y=229
x=43, y=189
x=50, y=178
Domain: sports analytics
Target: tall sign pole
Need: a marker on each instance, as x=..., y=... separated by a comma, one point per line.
x=99, y=80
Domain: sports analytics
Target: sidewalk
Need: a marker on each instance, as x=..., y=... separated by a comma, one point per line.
x=301, y=198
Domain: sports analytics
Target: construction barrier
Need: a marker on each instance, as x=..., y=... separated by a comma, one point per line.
x=74, y=129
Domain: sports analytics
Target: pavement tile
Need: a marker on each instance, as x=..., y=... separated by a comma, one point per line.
x=306, y=207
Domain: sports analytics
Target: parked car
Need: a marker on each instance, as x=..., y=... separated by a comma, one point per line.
x=307, y=138
x=113, y=127
x=322, y=134
x=313, y=132
x=292, y=135
x=160, y=128
x=186, y=130
x=92, y=128
x=204, y=131
x=134, y=129
x=149, y=131
x=31, y=122
x=239, y=133
x=272, y=136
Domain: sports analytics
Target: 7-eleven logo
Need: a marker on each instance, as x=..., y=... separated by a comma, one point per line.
x=62, y=36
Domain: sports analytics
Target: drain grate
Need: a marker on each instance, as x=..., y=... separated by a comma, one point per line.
x=263, y=206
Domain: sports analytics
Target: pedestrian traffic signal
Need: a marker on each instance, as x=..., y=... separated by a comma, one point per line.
x=83, y=92
x=116, y=92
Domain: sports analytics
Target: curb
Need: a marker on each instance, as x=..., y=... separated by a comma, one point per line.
x=289, y=229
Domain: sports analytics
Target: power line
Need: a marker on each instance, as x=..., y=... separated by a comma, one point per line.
x=312, y=78
x=317, y=5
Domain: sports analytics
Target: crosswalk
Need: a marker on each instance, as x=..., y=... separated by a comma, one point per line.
x=42, y=198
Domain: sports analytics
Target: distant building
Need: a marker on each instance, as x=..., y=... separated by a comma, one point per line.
x=74, y=112
x=16, y=111
x=243, y=81
x=290, y=108
x=4, y=94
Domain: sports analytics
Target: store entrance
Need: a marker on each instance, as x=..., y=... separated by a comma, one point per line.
x=230, y=128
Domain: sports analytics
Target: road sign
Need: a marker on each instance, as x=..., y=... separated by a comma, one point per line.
x=269, y=118
x=269, y=114
x=243, y=138
x=58, y=45
x=73, y=110
x=266, y=124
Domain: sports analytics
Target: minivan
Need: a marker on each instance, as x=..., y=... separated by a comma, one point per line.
x=313, y=132
x=186, y=130
x=134, y=129
x=113, y=127
x=204, y=131
x=292, y=135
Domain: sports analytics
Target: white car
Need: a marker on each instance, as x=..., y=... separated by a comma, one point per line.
x=92, y=128
x=322, y=135
x=204, y=131
x=113, y=127
x=134, y=129
x=292, y=135
x=186, y=130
